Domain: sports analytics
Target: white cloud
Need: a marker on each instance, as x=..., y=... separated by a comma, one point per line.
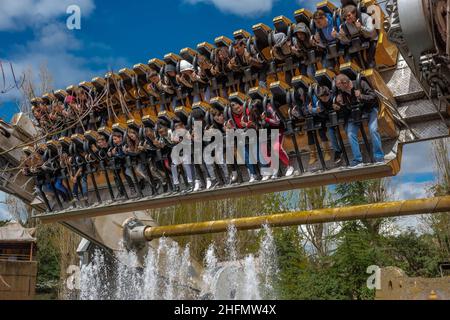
x=58, y=48
x=411, y=190
x=239, y=7
x=417, y=158
x=18, y=15
x=4, y=215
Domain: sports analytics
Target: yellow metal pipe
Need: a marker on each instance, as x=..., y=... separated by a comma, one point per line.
x=362, y=212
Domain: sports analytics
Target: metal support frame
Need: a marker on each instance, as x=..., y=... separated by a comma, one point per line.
x=362, y=212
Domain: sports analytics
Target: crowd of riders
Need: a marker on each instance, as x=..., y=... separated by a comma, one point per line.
x=133, y=159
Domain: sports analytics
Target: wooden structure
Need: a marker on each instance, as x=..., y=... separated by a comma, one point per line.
x=18, y=268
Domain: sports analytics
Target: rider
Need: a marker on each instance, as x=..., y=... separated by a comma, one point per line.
x=351, y=94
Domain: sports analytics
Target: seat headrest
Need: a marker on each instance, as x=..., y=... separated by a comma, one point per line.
x=301, y=82
x=92, y=136
x=188, y=54
x=258, y=92
x=205, y=48
x=172, y=58
x=149, y=121
x=105, y=132
x=324, y=77
x=279, y=88
x=241, y=34
x=219, y=103
x=303, y=15
x=28, y=151
x=222, y=41
x=238, y=97
x=156, y=64
x=133, y=124
x=119, y=127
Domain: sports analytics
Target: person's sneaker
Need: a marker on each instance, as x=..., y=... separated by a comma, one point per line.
x=389, y=157
x=290, y=171
x=73, y=202
x=379, y=162
x=197, y=186
x=190, y=188
x=274, y=174
x=142, y=184
x=176, y=189
x=357, y=165
x=133, y=193
x=234, y=177
x=337, y=157
x=253, y=178
x=120, y=196
x=266, y=178
x=214, y=184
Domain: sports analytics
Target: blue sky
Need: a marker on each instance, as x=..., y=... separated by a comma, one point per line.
x=117, y=34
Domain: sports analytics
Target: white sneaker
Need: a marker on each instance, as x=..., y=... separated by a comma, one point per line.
x=198, y=185
x=266, y=178
x=208, y=183
x=359, y=165
x=275, y=174
x=389, y=157
x=253, y=178
x=290, y=171
x=234, y=177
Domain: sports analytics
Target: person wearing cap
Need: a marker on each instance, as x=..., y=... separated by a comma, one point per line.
x=282, y=47
x=326, y=34
x=363, y=27
x=301, y=47
x=188, y=77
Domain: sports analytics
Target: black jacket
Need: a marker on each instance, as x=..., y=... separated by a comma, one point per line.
x=368, y=99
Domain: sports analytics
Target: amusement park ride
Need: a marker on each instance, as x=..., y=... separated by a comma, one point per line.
x=411, y=80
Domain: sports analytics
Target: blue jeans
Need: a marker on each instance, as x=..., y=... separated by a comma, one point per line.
x=251, y=166
x=60, y=189
x=352, y=133
x=84, y=187
x=334, y=141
